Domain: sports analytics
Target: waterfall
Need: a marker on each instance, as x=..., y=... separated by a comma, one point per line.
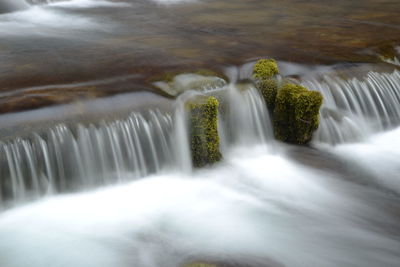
x=181, y=140
x=355, y=108
x=258, y=208
x=71, y=158
x=247, y=120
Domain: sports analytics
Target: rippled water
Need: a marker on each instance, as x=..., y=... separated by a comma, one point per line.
x=83, y=40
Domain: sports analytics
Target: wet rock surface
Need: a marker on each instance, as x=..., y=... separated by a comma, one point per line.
x=52, y=45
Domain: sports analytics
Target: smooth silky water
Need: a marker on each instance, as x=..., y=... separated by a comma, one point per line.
x=260, y=206
x=116, y=191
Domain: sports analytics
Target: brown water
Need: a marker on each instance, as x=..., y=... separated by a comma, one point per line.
x=130, y=41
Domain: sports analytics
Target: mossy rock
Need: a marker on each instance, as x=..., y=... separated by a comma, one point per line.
x=265, y=69
x=296, y=113
x=203, y=125
x=268, y=89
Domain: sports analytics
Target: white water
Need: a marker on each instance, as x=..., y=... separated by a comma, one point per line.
x=65, y=158
x=258, y=207
x=248, y=118
x=379, y=157
x=355, y=108
x=71, y=158
x=254, y=208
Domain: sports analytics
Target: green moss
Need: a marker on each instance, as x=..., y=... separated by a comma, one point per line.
x=268, y=89
x=296, y=113
x=204, y=138
x=265, y=69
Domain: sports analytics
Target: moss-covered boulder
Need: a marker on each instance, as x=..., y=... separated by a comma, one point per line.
x=296, y=113
x=265, y=69
x=268, y=89
x=203, y=128
x=264, y=72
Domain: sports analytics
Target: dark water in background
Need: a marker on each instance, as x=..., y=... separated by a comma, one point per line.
x=85, y=40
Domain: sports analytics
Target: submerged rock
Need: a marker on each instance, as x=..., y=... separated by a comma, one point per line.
x=296, y=113
x=203, y=125
x=201, y=80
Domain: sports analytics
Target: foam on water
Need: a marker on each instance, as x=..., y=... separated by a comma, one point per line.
x=41, y=21
x=379, y=157
x=256, y=207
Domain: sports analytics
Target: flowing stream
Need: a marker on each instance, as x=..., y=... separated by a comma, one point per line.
x=265, y=204
x=118, y=189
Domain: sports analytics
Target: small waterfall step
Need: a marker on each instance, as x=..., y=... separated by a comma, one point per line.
x=355, y=108
x=67, y=159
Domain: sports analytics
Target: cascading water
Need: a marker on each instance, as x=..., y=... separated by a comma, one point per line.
x=256, y=209
x=64, y=158
x=71, y=158
x=121, y=191
x=356, y=108
x=253, y=209
x=248, y=119
x=68, y=159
